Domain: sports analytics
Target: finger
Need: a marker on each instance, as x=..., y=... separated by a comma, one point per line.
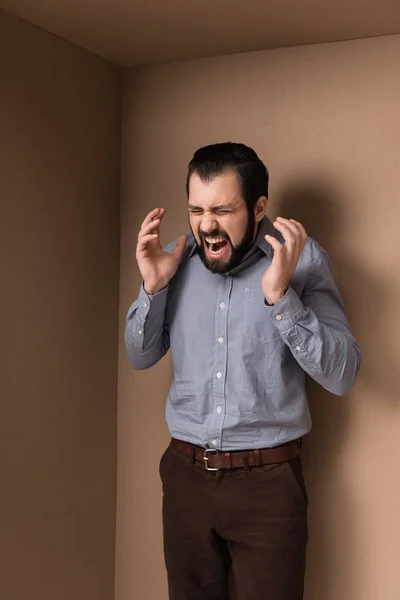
x=160, y=217
x=288, y=235
x=291, y=225
x=180, y=246
x=301, y=228
x=151, y=227
x=298, y=239
x=142, y=243
x=277, y=246
x=154, y=214
x=157, y=221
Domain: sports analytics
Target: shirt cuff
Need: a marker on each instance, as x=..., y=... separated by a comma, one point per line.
x=148, y=302
x=287, y=311
x=152, y=302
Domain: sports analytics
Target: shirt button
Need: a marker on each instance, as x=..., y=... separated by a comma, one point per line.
x=220, y=340
x=219, y=375
x=222, y=306
x=214, y=442
x=219, y=410
x=278, y=317
x=140, y=332
x=298, y=348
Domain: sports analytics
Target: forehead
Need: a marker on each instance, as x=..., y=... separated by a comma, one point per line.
x=222, y=189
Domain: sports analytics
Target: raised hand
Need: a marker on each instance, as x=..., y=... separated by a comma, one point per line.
x=156, y=266
x=286, y=256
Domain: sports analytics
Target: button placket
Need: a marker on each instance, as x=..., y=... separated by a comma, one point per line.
x=220, y=358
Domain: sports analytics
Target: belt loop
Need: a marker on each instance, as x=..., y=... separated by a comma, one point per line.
x=246, y=461
x=192, y=454
x=228, y=460
x=257, y=458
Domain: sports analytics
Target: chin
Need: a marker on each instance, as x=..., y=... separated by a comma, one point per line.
x=217, y=266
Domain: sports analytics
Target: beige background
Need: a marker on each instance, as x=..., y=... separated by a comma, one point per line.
x=325, y=119
x=59, y=252
x=149, y=31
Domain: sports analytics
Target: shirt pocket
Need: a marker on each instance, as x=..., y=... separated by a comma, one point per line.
x=256, y=323
x=185, y=394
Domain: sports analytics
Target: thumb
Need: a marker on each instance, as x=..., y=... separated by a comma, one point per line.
x=180, y=246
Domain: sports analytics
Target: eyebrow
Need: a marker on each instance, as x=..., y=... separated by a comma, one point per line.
x=218, y=207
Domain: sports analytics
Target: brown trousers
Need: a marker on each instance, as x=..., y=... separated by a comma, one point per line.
x=253, y=521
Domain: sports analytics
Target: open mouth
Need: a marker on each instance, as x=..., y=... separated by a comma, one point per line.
x=216, y=246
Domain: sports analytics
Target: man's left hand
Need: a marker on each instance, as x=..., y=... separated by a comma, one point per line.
x=277, y=277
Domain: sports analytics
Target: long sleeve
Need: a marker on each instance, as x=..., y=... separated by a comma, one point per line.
x=315, y=328
x=146, y=335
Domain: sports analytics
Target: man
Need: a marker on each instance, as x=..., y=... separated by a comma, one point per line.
x=247, y=308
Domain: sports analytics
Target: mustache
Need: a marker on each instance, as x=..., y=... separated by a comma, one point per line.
x=214, y=233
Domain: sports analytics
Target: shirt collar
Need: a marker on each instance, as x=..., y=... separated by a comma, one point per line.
x=266, y=228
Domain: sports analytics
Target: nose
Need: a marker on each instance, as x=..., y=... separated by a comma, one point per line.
x=208, y=223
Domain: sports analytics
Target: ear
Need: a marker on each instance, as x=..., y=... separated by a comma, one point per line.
x=260, y=208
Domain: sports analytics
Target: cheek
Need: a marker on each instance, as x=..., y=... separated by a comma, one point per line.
x=236, y=232
x=195, y=227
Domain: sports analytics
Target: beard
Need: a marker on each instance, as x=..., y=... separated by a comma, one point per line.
x=237, y=252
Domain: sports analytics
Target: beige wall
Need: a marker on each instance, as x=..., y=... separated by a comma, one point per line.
x=59, y=252
x=326, y=121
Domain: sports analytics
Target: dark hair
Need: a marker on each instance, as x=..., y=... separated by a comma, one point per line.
x=213, y=160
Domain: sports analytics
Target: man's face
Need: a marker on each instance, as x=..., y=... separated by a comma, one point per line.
x=220, y=221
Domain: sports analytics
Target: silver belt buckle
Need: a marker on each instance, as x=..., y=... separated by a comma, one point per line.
x=208, y=451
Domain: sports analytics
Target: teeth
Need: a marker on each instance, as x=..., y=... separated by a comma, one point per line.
x=216, y=252
x=211, y=240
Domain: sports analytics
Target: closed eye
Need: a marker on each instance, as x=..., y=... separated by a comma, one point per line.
x=197, y=210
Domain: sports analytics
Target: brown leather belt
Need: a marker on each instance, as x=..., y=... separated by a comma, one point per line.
x=215, y=460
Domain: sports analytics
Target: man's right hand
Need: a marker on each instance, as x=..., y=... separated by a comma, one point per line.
x=156, y=266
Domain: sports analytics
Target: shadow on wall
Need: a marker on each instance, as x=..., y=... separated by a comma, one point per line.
x=321, y=207
x=317, y=202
